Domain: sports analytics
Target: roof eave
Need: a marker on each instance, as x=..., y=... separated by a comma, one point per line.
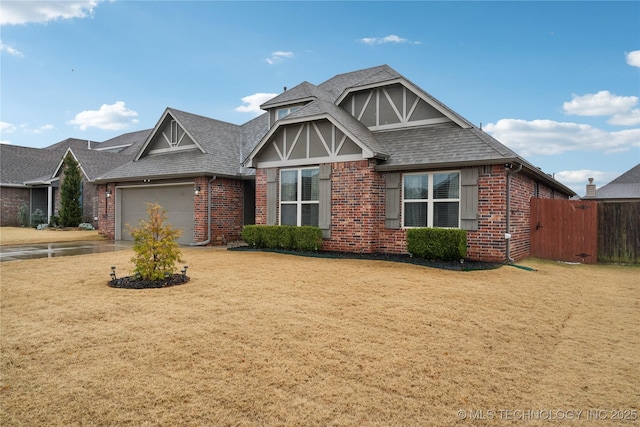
x=267, y=106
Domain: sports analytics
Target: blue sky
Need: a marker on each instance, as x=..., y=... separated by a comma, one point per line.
x=558, y=82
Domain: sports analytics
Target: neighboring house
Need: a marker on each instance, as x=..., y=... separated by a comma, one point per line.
x=625, y=188
x=32, y=177
x=364, y=156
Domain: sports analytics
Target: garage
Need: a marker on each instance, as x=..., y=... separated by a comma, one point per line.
x=177, y=201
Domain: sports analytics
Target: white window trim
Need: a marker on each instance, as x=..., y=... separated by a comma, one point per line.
x=297, y=202
x=430, y=201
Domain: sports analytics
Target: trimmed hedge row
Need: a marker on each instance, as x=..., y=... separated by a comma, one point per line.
x=447, y=244
x=285, y=237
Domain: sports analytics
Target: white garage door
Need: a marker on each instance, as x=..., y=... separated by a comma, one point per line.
x=176, y=200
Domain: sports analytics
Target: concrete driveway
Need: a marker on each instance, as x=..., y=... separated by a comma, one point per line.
x=50, y=250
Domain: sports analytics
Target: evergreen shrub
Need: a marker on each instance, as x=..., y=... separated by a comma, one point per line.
x=447, y=244
x=305, y=238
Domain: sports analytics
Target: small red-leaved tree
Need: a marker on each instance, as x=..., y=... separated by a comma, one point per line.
x=155, y=245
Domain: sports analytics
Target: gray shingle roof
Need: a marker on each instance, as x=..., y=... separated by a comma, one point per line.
x=626, y=186
x=339, y=83
x=21, y=164
x=303, y=92
x=74, y=143
x=128, y=143
x=442, y=144
x=95, y=163
x=252, y=132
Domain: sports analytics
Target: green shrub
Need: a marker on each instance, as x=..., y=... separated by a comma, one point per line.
x=446, y=244
x=86, y=226
x=251, y=235
x=270, y=237
x=155, y=246
x=38, y=217
x=283, y=237
x=23, y=215
x=307, y=238
x=287, y=233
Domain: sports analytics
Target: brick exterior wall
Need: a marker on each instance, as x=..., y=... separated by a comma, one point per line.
x=227, y=202
x=106, y=210
x=11, y=199
x=261, y=196
x=358, y=201
x=488, y=243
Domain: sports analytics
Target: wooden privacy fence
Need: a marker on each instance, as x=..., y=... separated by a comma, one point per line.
x=619, y=232
x=585, y=231
x=564, y=230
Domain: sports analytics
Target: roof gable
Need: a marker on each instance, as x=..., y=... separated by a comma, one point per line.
x=319, y=110
x=169, y=136
x=215, y=150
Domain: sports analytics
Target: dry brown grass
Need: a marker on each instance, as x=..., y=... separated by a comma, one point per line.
x=267, y=339
x=25, y=236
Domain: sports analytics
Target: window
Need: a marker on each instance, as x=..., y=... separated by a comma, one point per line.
x=283, y=112
x=299, y=197
x=431, y=199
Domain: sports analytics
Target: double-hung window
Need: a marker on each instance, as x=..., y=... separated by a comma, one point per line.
x=431, y=199
x=299, y=196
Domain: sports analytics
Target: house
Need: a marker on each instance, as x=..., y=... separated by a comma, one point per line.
x=364, y=155
x=31, y=176
x=625, y=188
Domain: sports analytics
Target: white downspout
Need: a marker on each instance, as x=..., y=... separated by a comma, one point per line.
x=206, y=242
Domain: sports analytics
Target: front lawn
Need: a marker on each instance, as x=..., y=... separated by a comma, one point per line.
x=269, y=339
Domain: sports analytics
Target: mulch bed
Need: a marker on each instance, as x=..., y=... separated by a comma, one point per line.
x=133, y=282
x=464, y=265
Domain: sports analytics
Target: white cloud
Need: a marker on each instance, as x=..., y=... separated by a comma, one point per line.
x=628, y=118
x=603, y=103
x=7, y=127
x=548, y=137
x=582, y=176
x=110, y=117
x=252, y=103
x=41, y=129
x=279, y=56
x=392, y=38
x=633, y=58
x=24, y=12
x=577, y=180
x=11, y=51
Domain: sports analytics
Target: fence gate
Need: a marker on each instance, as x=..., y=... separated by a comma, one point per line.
x=564, y=230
